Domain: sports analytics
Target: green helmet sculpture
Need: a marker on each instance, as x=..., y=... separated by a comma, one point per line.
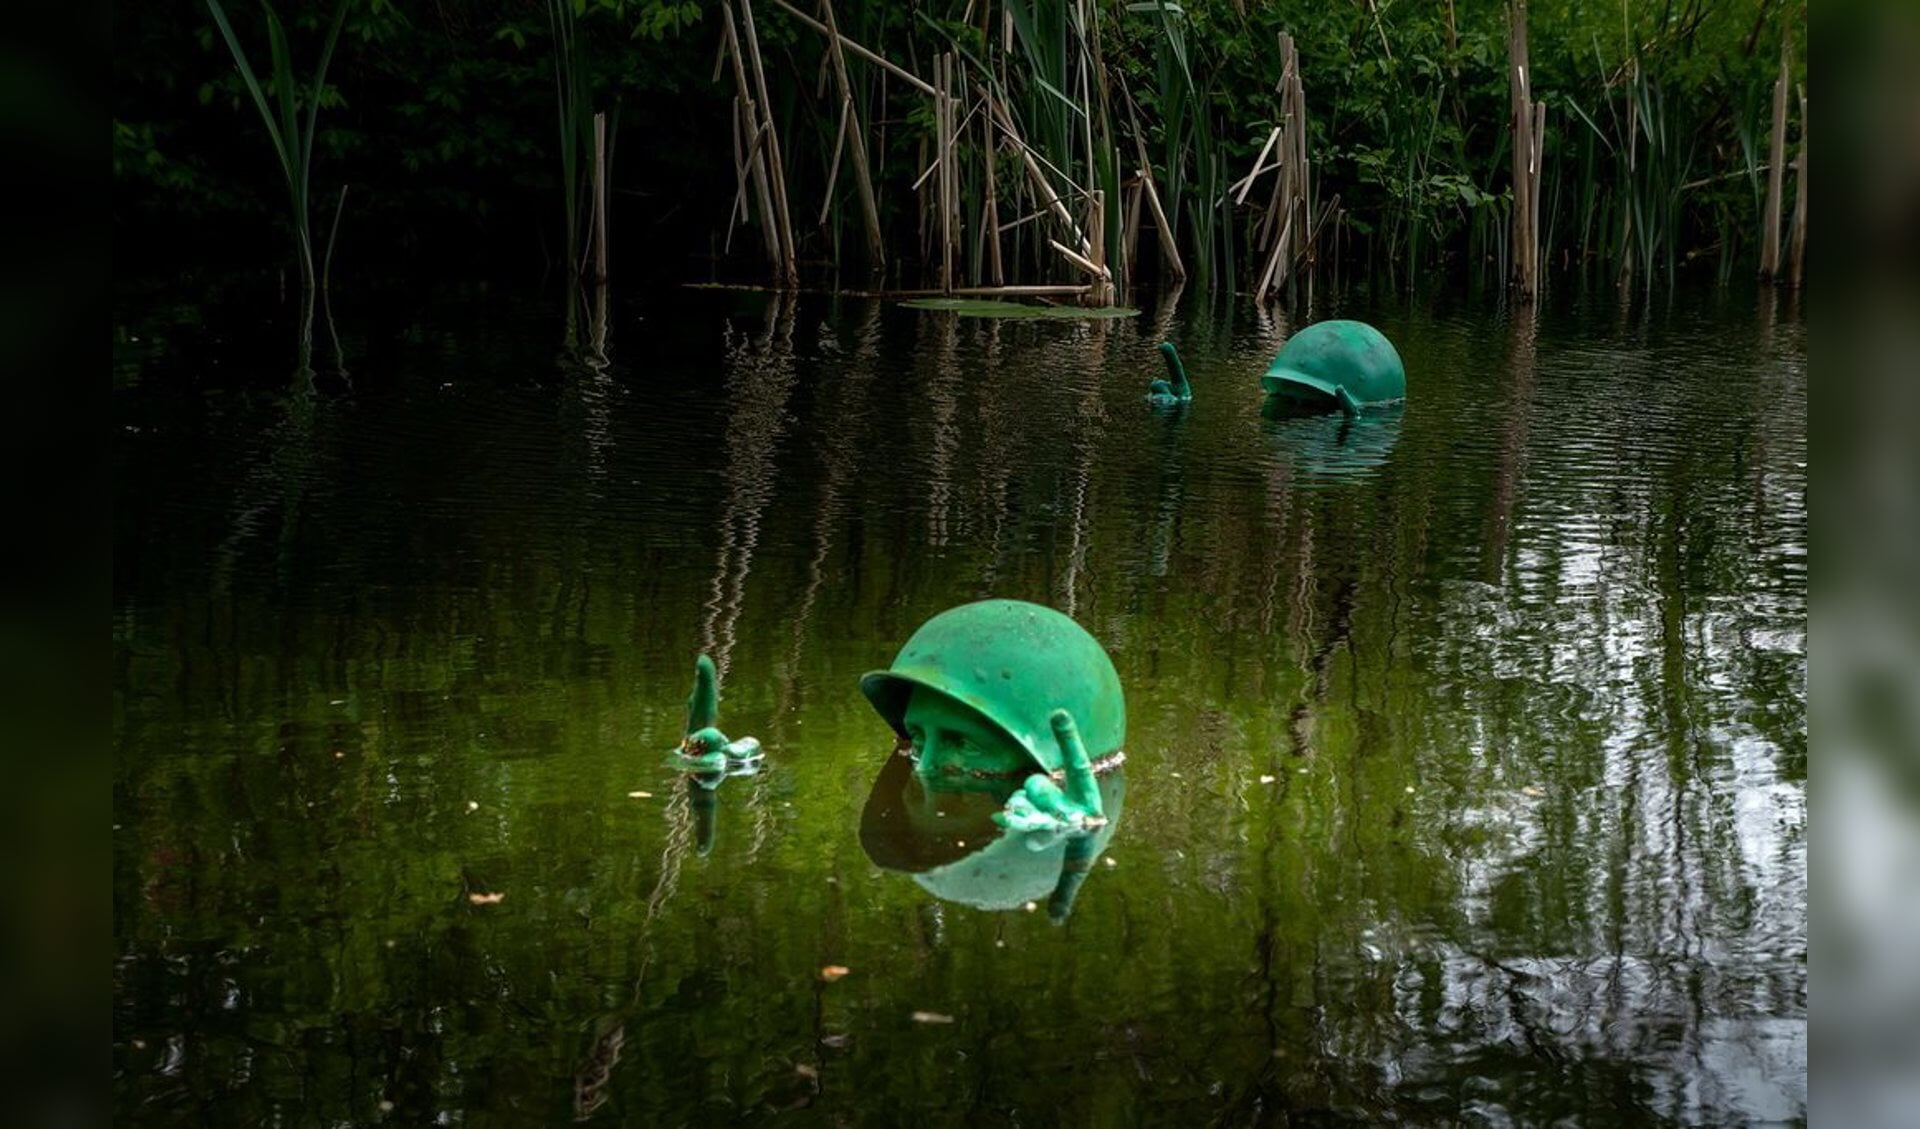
x=1013, y=663
x=1342, y=364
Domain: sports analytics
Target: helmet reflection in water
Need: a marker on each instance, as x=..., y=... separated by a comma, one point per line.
x=948, y=842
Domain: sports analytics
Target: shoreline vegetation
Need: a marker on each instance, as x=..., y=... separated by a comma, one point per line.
x=1066, y=150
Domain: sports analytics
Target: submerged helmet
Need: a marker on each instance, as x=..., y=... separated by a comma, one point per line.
x=1327, y=356
x=1013, y=663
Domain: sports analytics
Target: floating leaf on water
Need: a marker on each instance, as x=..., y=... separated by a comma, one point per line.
x=486, y=899
x=994, y=308
x=931, y=1017
x=834, y=972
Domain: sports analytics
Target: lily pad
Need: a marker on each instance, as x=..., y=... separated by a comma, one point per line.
x=993, y=308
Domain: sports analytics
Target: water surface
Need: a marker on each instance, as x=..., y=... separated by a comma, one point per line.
x=1467, y=749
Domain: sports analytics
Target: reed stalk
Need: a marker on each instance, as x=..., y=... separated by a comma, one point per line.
x=776, y=169
x=292, y=139
x=1797, y=256
x=863, y=177
x=750, y=124
x=1776, y=170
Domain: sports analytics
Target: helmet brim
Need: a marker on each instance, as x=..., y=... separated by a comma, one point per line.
x=890, y=692
x=1293, y=382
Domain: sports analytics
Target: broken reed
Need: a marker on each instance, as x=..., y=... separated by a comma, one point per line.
x=1028, y=160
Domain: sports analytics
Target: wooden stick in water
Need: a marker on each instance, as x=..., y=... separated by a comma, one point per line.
x=1537, y=138
x=776, y=169
x=1160, y=227
x=750, y=123
x=1013, y=291
x=1076, y=258
x=1245, y=184
x=990, y=218
x=1041, y=186
x=863, y=177
x=600, y=197
x=1102, y=293
x=833, y=166
x=943, y=125
x=1797, y=255
x=918, y=83
x=1776, y=171
x=1520, y=100
x=1130, y=245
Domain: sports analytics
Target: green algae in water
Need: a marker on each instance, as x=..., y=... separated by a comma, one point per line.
x=993, y=308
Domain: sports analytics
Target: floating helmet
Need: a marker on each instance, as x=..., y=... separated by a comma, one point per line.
x=1328, y=358
x=1013, y=663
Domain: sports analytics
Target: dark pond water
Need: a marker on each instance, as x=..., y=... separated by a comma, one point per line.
x=1467, y=743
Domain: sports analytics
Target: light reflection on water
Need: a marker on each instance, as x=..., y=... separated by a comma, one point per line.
x=1467, y=745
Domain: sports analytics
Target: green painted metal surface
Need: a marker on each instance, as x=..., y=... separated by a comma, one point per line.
x=705, y=749
x=1042, y=805
x=1175, y=388
x=1338, y=364
x=1013, y=664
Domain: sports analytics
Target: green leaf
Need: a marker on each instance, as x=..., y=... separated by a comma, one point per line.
x=253, y=85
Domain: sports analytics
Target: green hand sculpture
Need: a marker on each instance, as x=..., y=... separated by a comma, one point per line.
x=1174, y=390
x=954, y=846
x=705, y=749
x=1042, y=805
x=1337, y=364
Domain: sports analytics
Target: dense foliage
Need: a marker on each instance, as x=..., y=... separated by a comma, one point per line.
x=447, y=121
